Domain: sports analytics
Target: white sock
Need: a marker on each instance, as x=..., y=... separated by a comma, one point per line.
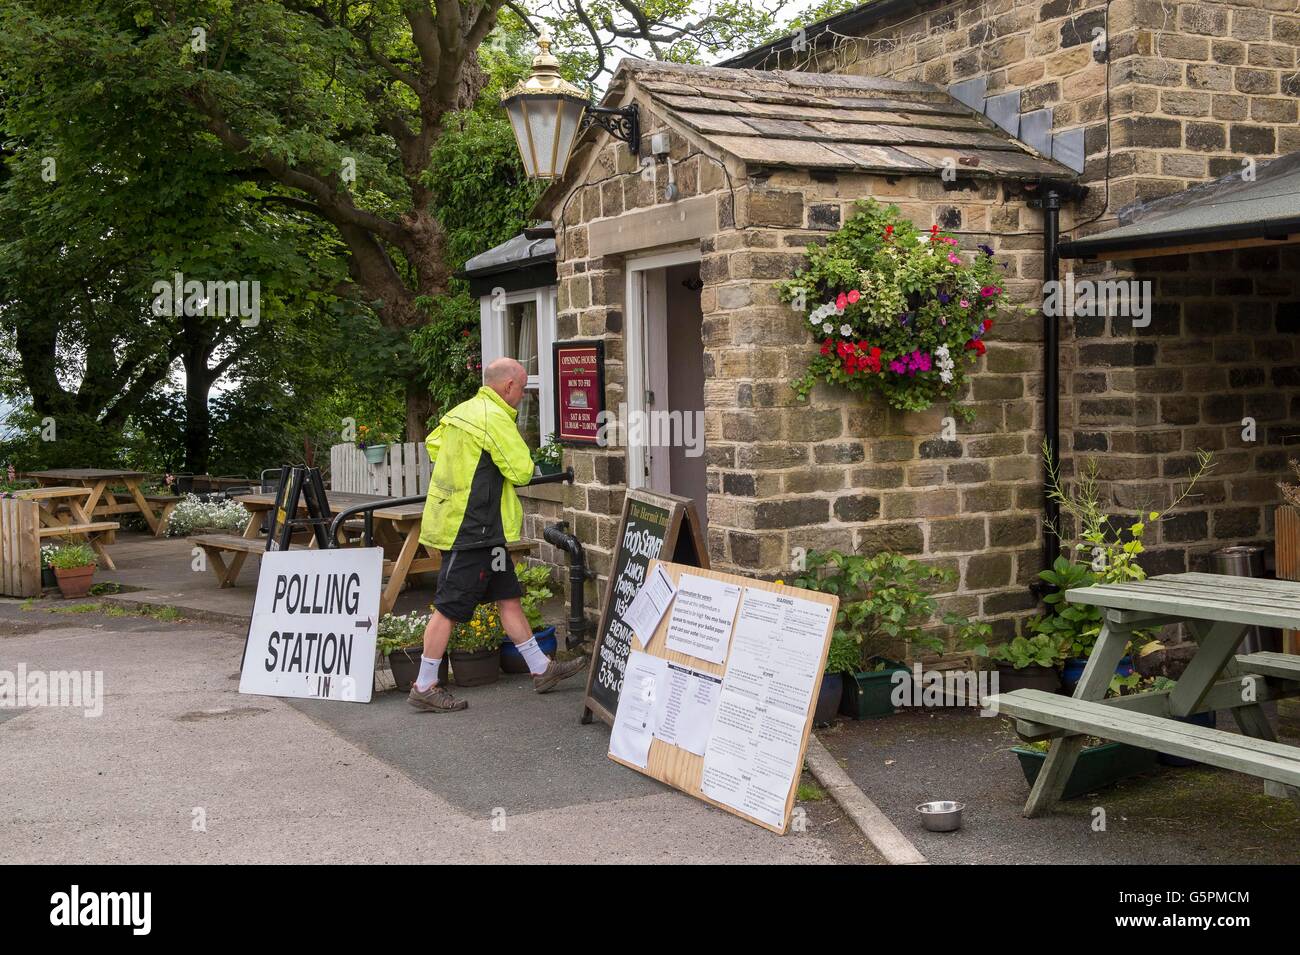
x=532, y=653
x=428, y=675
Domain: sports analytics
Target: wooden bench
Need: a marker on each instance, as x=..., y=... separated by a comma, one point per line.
x=1244, y=754
x=216, y=546
x=1216, y=610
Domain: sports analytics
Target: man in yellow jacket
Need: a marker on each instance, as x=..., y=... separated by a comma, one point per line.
x=472, y=513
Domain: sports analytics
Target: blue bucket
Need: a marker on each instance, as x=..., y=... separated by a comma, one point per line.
x=512, y=661
x=1072, y=671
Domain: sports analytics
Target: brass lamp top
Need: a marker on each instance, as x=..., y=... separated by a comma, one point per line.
x=545, y=79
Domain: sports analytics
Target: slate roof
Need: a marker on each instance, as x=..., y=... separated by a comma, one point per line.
x=512, y=254
x=1223, y=210
x=830, y=121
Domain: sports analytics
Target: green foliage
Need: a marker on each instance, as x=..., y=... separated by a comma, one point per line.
x=1071, y=627
x=1039, y=650
x=399, y=631
x=536, y=581
x=72, y=555
x=844, y=655
x=449, y=350
x=886, y=601
x=483, y=631
x=551, y=453
x=896, y=311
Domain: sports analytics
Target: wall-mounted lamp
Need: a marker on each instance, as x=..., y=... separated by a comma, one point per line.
x=547, y=113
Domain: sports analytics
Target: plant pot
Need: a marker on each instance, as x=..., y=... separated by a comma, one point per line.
x=512, y=661
x=1098, y=766
x=375, y=453
x=1072, y=671
x=1032, y=677
x=475, y=668
x=869, y=694
x=829, y=699
x=76, y=581
x=1208, y=720
x=405, y=664
x=547, y=468
x=47, y=577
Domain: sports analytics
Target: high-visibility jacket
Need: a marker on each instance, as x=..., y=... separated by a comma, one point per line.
x=479, y=457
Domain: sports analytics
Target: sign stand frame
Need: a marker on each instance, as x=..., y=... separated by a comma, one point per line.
x=689, y=548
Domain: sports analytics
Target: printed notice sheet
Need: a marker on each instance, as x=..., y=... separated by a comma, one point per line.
x=634, y=722
x=686, y=708
x=650, y=604
x=702, y=617
x=752, y=754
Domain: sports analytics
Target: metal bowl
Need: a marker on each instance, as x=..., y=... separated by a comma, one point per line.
x=943, y=815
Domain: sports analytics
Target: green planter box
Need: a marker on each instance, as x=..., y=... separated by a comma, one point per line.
x=867, y=695
x=1098, y=766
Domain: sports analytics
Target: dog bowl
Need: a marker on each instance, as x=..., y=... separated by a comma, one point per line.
x=941, y=816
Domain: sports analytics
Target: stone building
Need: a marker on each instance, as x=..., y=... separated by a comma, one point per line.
x=671, y=259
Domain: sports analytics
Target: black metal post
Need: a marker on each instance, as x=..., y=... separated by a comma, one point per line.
x=1051, y=377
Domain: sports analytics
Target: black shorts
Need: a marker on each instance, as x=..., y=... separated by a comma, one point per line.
x=468, y=578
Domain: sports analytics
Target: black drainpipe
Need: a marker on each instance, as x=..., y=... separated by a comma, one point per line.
x=1051, y=383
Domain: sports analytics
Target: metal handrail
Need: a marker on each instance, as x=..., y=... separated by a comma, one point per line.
x=368, y=509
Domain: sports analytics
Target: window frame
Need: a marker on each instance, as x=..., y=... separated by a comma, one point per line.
x=494, y=325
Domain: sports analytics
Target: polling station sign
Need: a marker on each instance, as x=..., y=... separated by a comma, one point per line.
x=313, y=629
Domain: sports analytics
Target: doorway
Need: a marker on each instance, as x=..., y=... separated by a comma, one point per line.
x=665, y=360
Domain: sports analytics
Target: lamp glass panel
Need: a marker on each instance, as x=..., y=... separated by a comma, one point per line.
x=542, y=124
x=519, y=122
x=570, y=117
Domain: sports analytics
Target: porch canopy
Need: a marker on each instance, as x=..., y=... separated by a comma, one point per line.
x=1231, y=212
x=526, y=261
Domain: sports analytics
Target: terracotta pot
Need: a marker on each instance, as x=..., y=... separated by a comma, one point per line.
x=475, y=668
x=75, y=581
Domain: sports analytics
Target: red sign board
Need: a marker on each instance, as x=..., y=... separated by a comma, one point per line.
x=579, y=390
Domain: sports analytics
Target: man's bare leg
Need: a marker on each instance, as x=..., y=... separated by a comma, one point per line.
x=546, y=672
x=425, y=693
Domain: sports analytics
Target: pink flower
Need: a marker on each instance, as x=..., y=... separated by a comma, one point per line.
x=953, y=259
x=853, y=296
x=965, y=303
x=841, y=300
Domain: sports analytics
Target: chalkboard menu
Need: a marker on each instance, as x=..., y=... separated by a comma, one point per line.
x=650, y=528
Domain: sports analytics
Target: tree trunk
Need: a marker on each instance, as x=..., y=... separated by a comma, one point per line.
x=419, y=409
x=198, y=417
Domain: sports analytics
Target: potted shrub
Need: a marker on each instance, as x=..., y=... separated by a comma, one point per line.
x=549, y=457
x=842, y=658
x=400, y=638
x=47, y=572
x=74, y=568
x=885, y=601
x=536, y=581
x=475, y=648
x=1027, y=663
x=373, y=443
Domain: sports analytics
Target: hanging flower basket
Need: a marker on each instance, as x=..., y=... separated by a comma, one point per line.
x=895, y=310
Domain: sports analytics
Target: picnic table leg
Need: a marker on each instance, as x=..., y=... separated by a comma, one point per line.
x=1064, y=753
x=92, y=539
x=146, y=510
x=1216, y=644
x=97, y=491
x=400, y=566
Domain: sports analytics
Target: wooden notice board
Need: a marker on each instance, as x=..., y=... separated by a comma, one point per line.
x=651, y=527
x=683, y=769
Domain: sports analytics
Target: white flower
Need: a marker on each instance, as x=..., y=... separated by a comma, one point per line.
x=815, y=319
x=828, y=328
x=846, y=330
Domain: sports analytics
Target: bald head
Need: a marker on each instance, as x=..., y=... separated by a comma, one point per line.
x=507, y=378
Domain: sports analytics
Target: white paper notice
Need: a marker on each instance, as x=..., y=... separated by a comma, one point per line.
x=650, y=604
x=777, y=651
x=751, y=759
x=684, y=717
x=702, y=617
x=634, y=723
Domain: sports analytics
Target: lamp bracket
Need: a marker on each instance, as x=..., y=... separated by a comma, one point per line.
x=623, y=123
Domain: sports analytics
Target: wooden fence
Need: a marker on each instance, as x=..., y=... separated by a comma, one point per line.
x=405, y=470
x=20, y=548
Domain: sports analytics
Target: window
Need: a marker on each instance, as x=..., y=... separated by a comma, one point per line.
x=521, y=325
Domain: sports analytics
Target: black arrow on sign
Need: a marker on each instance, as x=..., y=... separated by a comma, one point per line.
x=362, y=624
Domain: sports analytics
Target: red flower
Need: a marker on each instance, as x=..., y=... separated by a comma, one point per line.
x=976, y=346
x=851, y=364
x=853, y=296
x=988, y=323
x=889, y=232
x=841, y=300
x=934, y=233
x=826, y=347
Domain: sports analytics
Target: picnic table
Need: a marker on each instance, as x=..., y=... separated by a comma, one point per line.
x=396, y=529
x=63, y=513
x=103, y=502
x=1218, y=610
